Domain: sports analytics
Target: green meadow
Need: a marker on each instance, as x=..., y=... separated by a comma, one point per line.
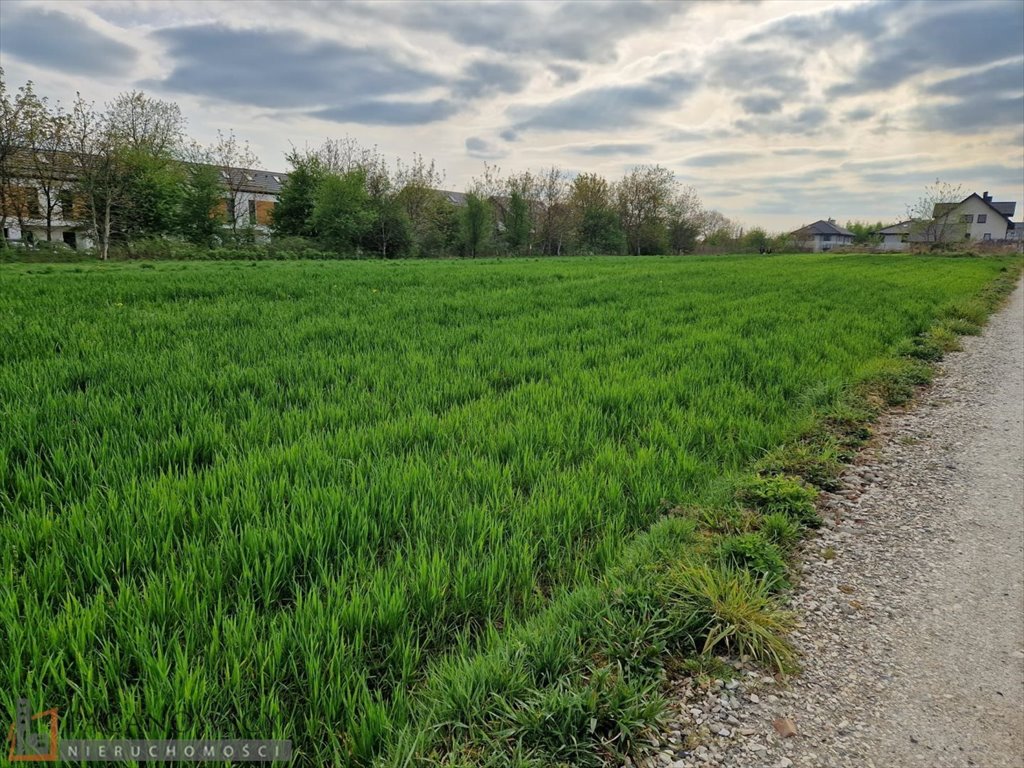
x=384, y=509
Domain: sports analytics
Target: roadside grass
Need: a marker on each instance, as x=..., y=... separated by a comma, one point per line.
x=430, y=514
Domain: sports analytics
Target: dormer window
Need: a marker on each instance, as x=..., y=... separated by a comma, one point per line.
x=225, y=175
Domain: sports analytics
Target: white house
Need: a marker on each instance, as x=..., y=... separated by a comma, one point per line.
x=823, y=236
x=248, y=200
x=31, y=196
x=895, y=237
x=975, y=219
x=250, y=197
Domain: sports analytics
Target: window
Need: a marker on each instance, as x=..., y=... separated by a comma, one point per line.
x=826, y=238
x=967, y=218
x=987, y=236
x=67, y=204
x=982, y=218
x=252, y=211
x=32, y=202
x=229, y=206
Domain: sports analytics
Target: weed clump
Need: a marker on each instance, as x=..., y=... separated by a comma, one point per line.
x=736, y=612
x=816, y=459
x=780, y=530
x=783, y=494
x=754, y=553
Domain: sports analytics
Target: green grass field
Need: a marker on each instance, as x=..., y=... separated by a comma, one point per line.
x=310, y=500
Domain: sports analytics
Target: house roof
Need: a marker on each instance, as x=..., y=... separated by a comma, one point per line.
x=1005, y=209
x=822, y=227
x=900, y=228
x=455, y=198
x=251, y=180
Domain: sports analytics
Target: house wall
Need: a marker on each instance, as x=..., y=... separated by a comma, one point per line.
x=835, y=241
x=994, y=226
x=264, y=206
x=27, y=223
x=893, y=243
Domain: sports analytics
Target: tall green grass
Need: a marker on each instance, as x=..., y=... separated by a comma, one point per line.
x=343, y=502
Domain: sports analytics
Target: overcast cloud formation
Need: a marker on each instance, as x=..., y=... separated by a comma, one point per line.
x=779, y=113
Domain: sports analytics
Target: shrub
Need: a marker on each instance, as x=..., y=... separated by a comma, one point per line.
x=752, y=552
x=784, y=494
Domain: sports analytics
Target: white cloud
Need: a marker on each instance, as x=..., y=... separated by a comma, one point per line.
x=779, y=113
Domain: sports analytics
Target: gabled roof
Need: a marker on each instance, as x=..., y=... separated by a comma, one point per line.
x=900, y=228
x=1004, y=209
x=822, y=227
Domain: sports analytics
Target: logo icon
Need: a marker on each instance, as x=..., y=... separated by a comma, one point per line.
x=33, y=738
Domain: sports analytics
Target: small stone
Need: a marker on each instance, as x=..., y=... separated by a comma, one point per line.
x=784, y=726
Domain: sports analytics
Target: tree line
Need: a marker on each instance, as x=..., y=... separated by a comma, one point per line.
x=129, y=174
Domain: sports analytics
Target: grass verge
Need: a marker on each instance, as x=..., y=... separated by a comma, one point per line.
x=580, y=683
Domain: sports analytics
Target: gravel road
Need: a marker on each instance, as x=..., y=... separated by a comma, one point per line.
x=911, y=601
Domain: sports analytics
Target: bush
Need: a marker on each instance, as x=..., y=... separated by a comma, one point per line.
x=783, y=494
x=753, y=553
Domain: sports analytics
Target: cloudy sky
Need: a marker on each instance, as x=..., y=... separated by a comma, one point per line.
x=778, y=112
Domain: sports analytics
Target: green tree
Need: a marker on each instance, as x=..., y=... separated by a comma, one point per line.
x=517, y=222
x=601, y=232
x=341, y=214
x=598, y=229
x=864, y=232
x=756, y=239
x=293, y=214
x=199, y=217
x=153, y=196
x=391, y=232
x=475, y=225
x=682, y=235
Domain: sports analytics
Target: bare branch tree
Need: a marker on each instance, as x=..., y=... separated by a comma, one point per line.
x=47, y=158
x=232, y=158
x=97, y=156
x=933, y=218
x=14, y=137
x=643, y=197
x=144, y=123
